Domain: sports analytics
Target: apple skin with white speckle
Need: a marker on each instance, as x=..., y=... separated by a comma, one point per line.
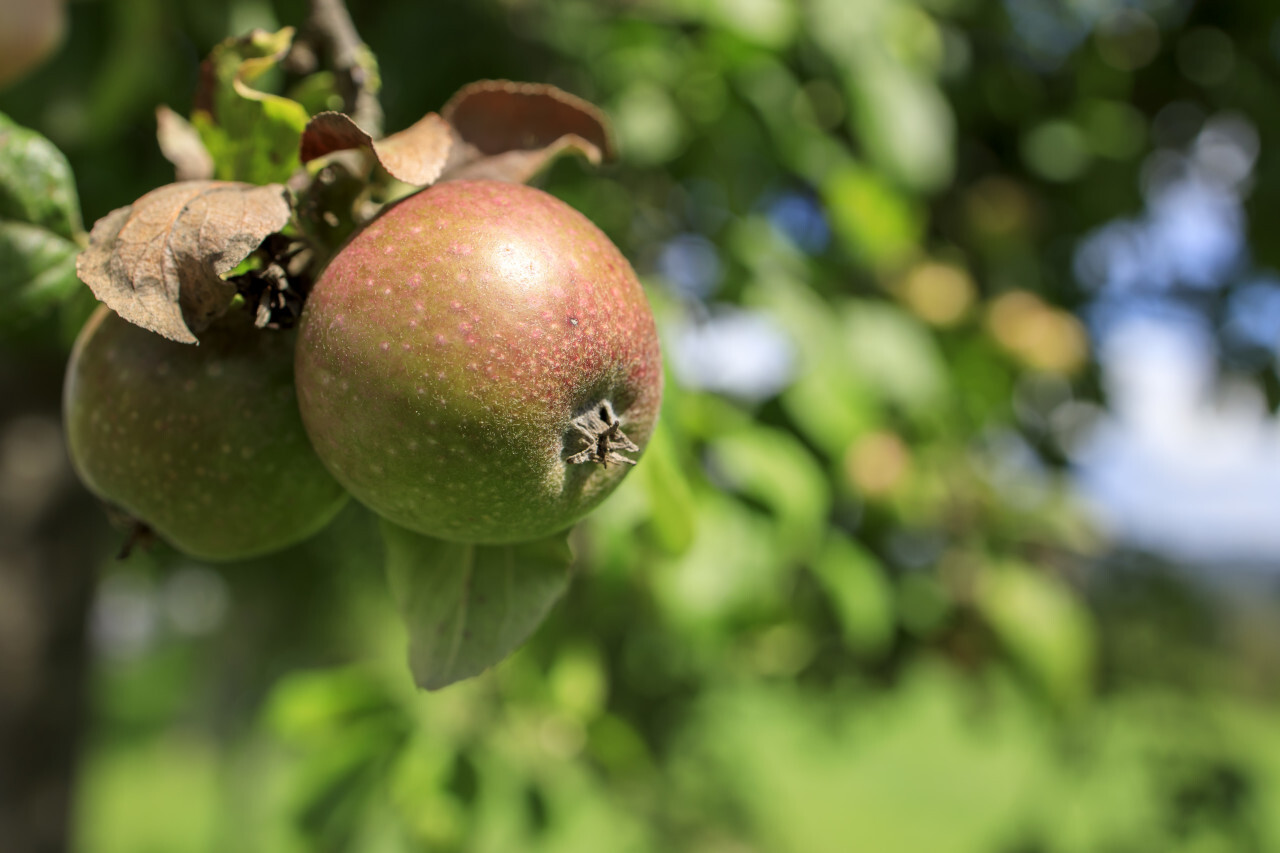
x=204, y=444
x=447, y=351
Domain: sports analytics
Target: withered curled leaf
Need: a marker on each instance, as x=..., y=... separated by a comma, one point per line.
x=518, y=166
x=501, y=115
x=158, y=262
x=415, y=155
x=181, y=145
x=509, y=131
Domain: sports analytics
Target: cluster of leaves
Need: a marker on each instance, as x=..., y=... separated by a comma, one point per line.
x=40, y=231
x=162, y=261
x=254, y=215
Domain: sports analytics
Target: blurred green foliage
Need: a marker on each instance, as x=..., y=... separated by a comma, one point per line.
x=255, y=135
x=39, y=226
x=846, y=602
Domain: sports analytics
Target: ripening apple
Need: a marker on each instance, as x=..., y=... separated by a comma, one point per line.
x=479, y=364
x=203, y=443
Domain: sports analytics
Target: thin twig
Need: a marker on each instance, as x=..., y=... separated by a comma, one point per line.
x=140, y=535
x=330, y=24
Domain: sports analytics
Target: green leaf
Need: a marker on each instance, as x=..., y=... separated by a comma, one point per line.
x=831, y=408
x=468, y=606
x=37, y=272
x=36, y=184
x=861, y=594
x=1044, y=627
x=650, y=129
x=894, y=353
x=771, y=24
x=734, y=567
x=671, y=504
x=875, y=221
x=775, y=469
x=904, y=121
x=889, y=53
x=39, y=224
x=252, y=135
x=829, y=402
x=343, y=728
x=337, y=784
x=307, y=709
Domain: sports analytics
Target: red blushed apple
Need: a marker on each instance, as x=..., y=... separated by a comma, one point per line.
x=479, y=364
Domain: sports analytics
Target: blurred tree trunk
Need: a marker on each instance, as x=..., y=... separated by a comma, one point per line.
x=50, y=536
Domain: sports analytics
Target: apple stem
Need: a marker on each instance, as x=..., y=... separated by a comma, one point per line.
x=140, y=535
x=601, y=431
x=276, y=290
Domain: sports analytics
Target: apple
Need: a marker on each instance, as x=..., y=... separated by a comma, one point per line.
x=479, y=364
x=204, y=444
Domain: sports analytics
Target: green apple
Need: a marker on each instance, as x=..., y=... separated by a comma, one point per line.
x=202, y=443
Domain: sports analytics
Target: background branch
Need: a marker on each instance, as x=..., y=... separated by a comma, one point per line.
x=330, y=28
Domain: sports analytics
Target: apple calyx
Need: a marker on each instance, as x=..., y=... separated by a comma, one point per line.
x=602, y=433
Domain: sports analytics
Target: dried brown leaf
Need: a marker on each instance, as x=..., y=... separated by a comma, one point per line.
x=515, y=166
x=415, y=155
x=497, y=116
x=331, y=131
x=158, y=262
x=180, y=143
